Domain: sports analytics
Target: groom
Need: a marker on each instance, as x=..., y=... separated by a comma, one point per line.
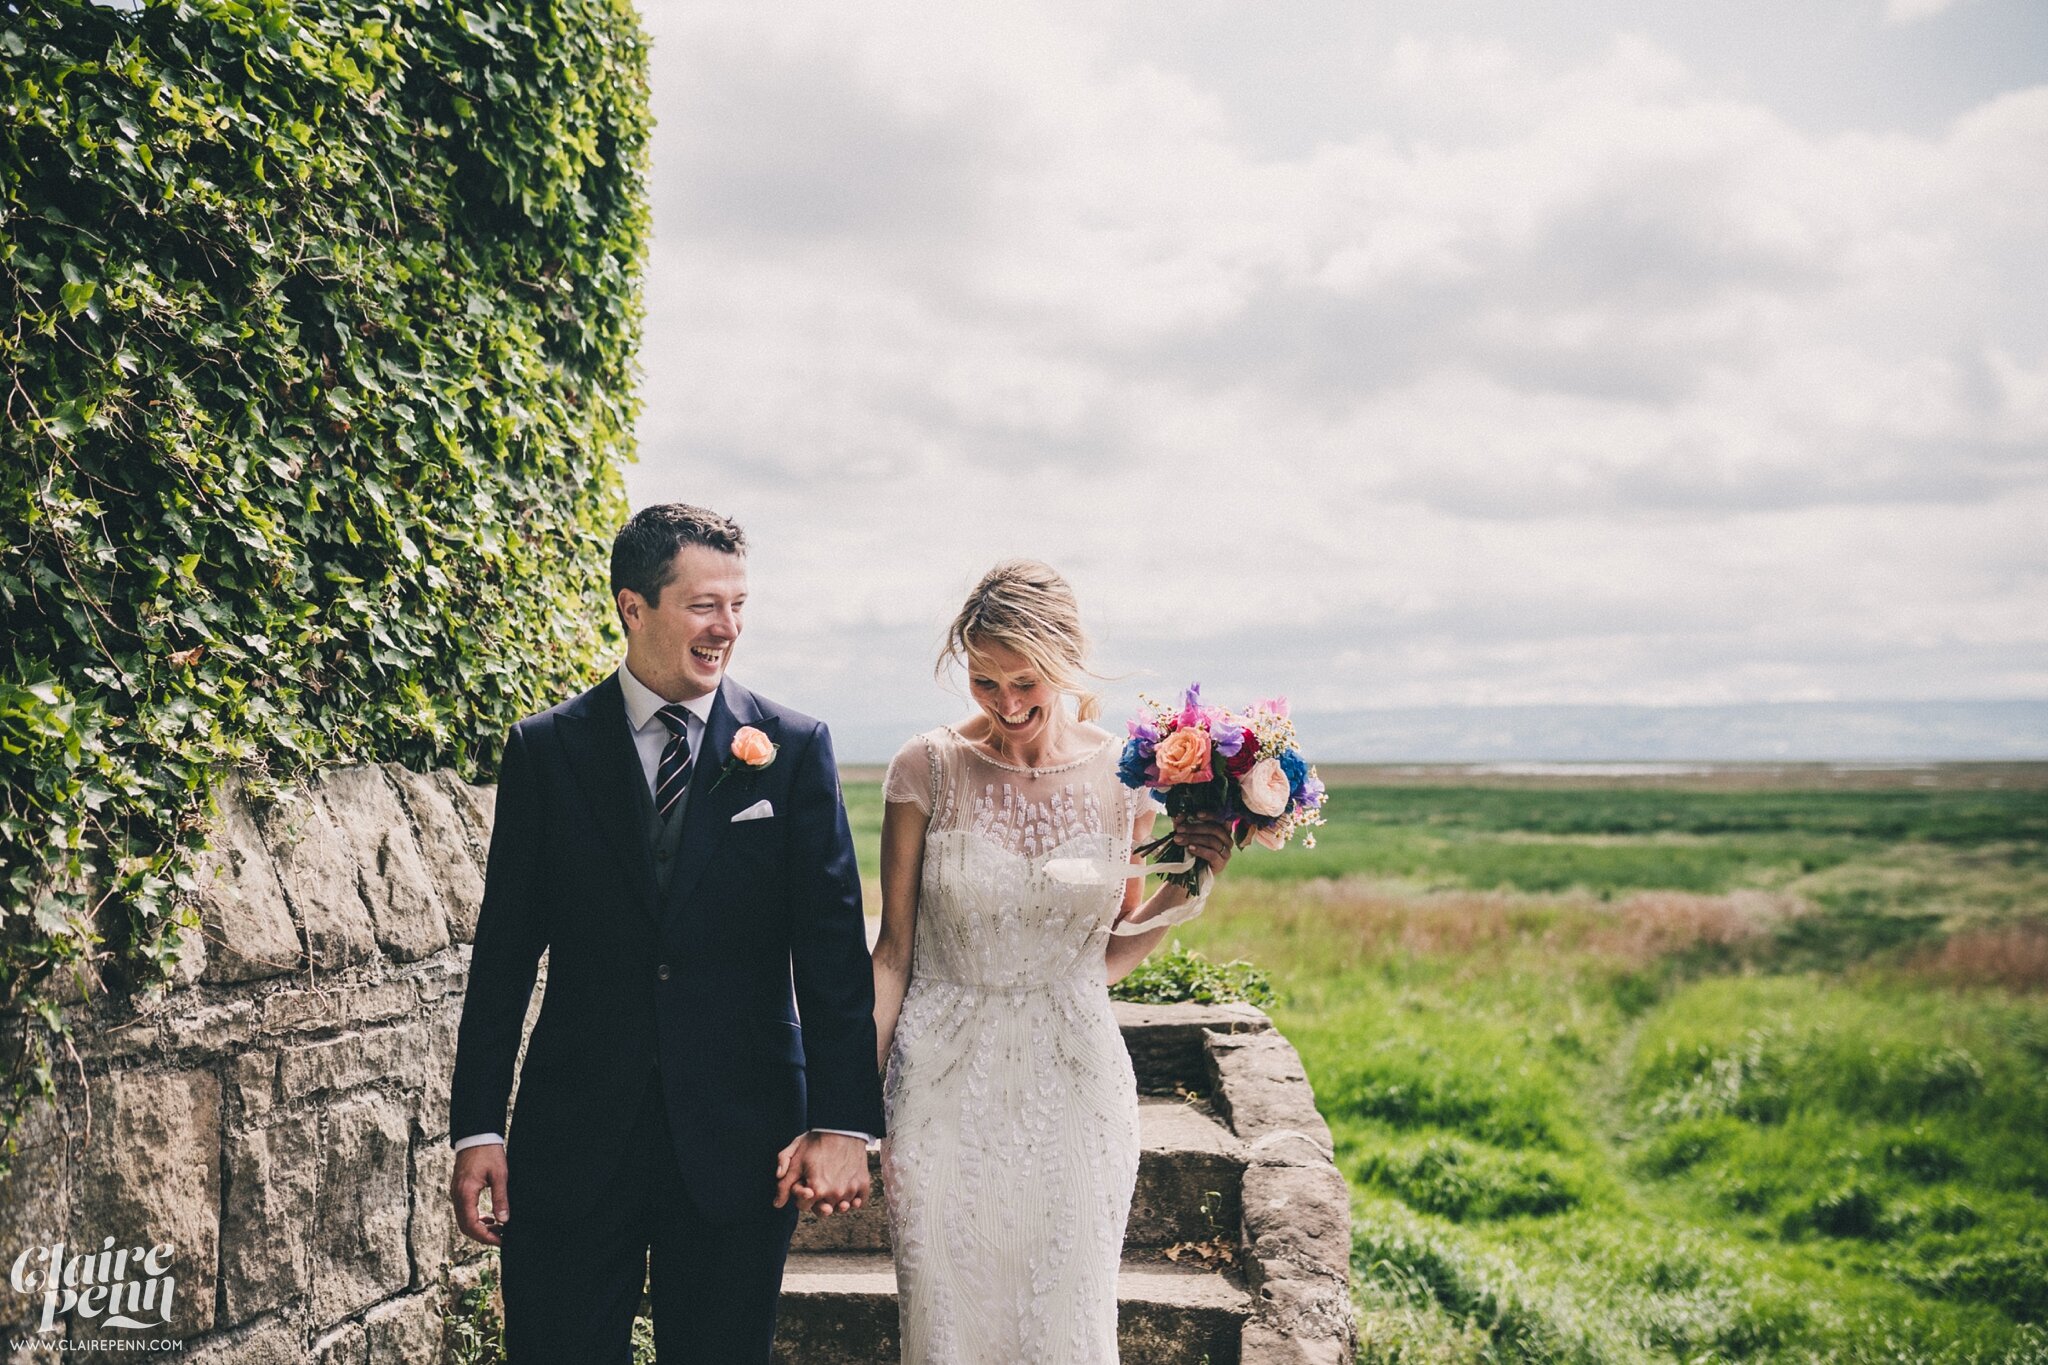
x=704, y=1060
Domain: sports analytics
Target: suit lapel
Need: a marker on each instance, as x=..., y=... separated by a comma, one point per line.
x=704, y=822
x=608, y=768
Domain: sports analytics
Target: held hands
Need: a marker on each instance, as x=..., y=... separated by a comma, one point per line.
x=476, y=1169
x=1207, y=839
x=828, y=1172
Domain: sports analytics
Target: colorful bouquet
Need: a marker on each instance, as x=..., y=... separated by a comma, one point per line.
x=1244, y=769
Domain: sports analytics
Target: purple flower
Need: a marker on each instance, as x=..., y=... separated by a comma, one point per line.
x=1229, y=735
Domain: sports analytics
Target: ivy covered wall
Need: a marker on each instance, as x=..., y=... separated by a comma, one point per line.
x=317, y=325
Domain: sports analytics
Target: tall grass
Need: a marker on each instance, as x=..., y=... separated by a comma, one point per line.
x=1649, y=1075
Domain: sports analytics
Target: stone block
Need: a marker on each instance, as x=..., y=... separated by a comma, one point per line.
x=1302, y=1308
x=343, y=1345
x=326, y=1007
x=404, y=1331
x=362, y=1204
x=316, y=866
x=269, y=1342
x=1165, y=1041
x=436, y=1241
x=1265, y=1343
x=441, y=976
x=343, y=1063
x=149, y=1173
x=1259, y=1087
x=118, y=1036
x=1300, y=1215
x=209, y=1030
x=455, y=866
x=476, y=804
x=252, y=1079
x=267, y=1216
x=405, y=909
x=35, y=1199
x=431, y=1066
x=245, y=921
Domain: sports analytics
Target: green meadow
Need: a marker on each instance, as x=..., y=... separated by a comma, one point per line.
x=1749, y=1066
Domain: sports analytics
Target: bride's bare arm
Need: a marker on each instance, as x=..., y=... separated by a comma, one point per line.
x=903, y=827
x=1209, y=841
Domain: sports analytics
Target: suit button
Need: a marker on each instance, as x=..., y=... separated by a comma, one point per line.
x=662, y=971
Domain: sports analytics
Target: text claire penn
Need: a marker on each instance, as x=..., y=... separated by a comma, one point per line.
x=131, y=1287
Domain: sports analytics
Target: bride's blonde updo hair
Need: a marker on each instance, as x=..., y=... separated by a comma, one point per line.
x=1024, y=605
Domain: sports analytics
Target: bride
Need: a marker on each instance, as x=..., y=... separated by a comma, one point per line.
x=1012, y=1111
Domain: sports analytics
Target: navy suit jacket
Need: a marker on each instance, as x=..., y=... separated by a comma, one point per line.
x=748, y=986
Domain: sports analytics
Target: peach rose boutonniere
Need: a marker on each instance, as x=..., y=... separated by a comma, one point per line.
x=751, y=750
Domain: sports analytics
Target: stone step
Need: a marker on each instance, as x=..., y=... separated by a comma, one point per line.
x=1165, y=1041
x=839, y=1308
x=1189, y=1172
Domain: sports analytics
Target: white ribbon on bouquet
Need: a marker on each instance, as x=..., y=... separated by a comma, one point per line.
x=1109, y=871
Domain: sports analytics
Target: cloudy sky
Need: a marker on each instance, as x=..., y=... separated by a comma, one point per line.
x=1382, y=354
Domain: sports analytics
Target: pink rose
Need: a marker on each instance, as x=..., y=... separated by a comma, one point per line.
x=1269, y=836
x=1266, y=788
x=1183, y=756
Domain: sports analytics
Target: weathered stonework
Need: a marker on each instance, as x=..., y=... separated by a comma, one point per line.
x=1296, y=1240
x=247, y=926
x=405, y=909
x=278, y=1113
x=152, y=1170
x=267, y=1218
x=317, y=869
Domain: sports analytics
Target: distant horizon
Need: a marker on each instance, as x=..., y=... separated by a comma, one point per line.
x=1860, y=732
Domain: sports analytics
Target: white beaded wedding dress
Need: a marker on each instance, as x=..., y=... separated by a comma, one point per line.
x=1012, y=1111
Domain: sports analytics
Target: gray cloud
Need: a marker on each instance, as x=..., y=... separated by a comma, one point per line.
x=1360, y=357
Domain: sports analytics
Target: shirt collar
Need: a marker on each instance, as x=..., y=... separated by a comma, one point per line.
x=643, y=701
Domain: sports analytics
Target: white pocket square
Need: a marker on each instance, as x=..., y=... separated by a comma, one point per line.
x=760, y=810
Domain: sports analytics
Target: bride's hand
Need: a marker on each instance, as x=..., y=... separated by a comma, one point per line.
x=1207, y=838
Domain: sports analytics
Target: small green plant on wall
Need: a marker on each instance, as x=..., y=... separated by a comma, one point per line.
x=1182, y=974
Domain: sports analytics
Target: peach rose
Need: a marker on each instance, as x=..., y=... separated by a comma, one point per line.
x=1183, y=756
x=1269, y=836
x=752, y=748
x=1266, y=788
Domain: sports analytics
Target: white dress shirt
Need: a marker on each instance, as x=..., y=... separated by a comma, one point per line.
x=650, y=737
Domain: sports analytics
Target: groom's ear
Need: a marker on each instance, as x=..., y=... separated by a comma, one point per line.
x=629, y=604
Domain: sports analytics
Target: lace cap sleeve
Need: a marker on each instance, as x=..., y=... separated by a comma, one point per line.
x=913, y=774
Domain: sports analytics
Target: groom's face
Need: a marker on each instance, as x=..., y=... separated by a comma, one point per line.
x=686, y=638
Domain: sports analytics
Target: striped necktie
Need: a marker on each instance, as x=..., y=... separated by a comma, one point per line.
x=673, y=776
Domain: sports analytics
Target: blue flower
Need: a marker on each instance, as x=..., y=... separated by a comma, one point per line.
x=1296, y=768
x=1135, y=767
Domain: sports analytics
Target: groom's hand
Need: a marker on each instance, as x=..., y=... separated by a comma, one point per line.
x=476, y=1169
x=828, y=1172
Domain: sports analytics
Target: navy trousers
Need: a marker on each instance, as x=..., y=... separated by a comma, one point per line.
x=572, y=1286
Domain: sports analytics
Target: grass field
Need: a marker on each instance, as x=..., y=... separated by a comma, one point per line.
x=1727, y=1067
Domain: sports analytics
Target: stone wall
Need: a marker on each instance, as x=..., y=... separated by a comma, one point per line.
x=279, y=1115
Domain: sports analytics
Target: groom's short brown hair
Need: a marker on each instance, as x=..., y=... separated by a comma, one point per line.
x=644, y=550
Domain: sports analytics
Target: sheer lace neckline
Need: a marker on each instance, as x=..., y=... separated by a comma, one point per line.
x=985, y=756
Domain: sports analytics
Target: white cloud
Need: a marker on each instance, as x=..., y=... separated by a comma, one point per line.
x=1560, y=381
x=1914, y=11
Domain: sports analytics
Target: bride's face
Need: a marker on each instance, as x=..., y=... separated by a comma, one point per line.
x=1012, y=692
